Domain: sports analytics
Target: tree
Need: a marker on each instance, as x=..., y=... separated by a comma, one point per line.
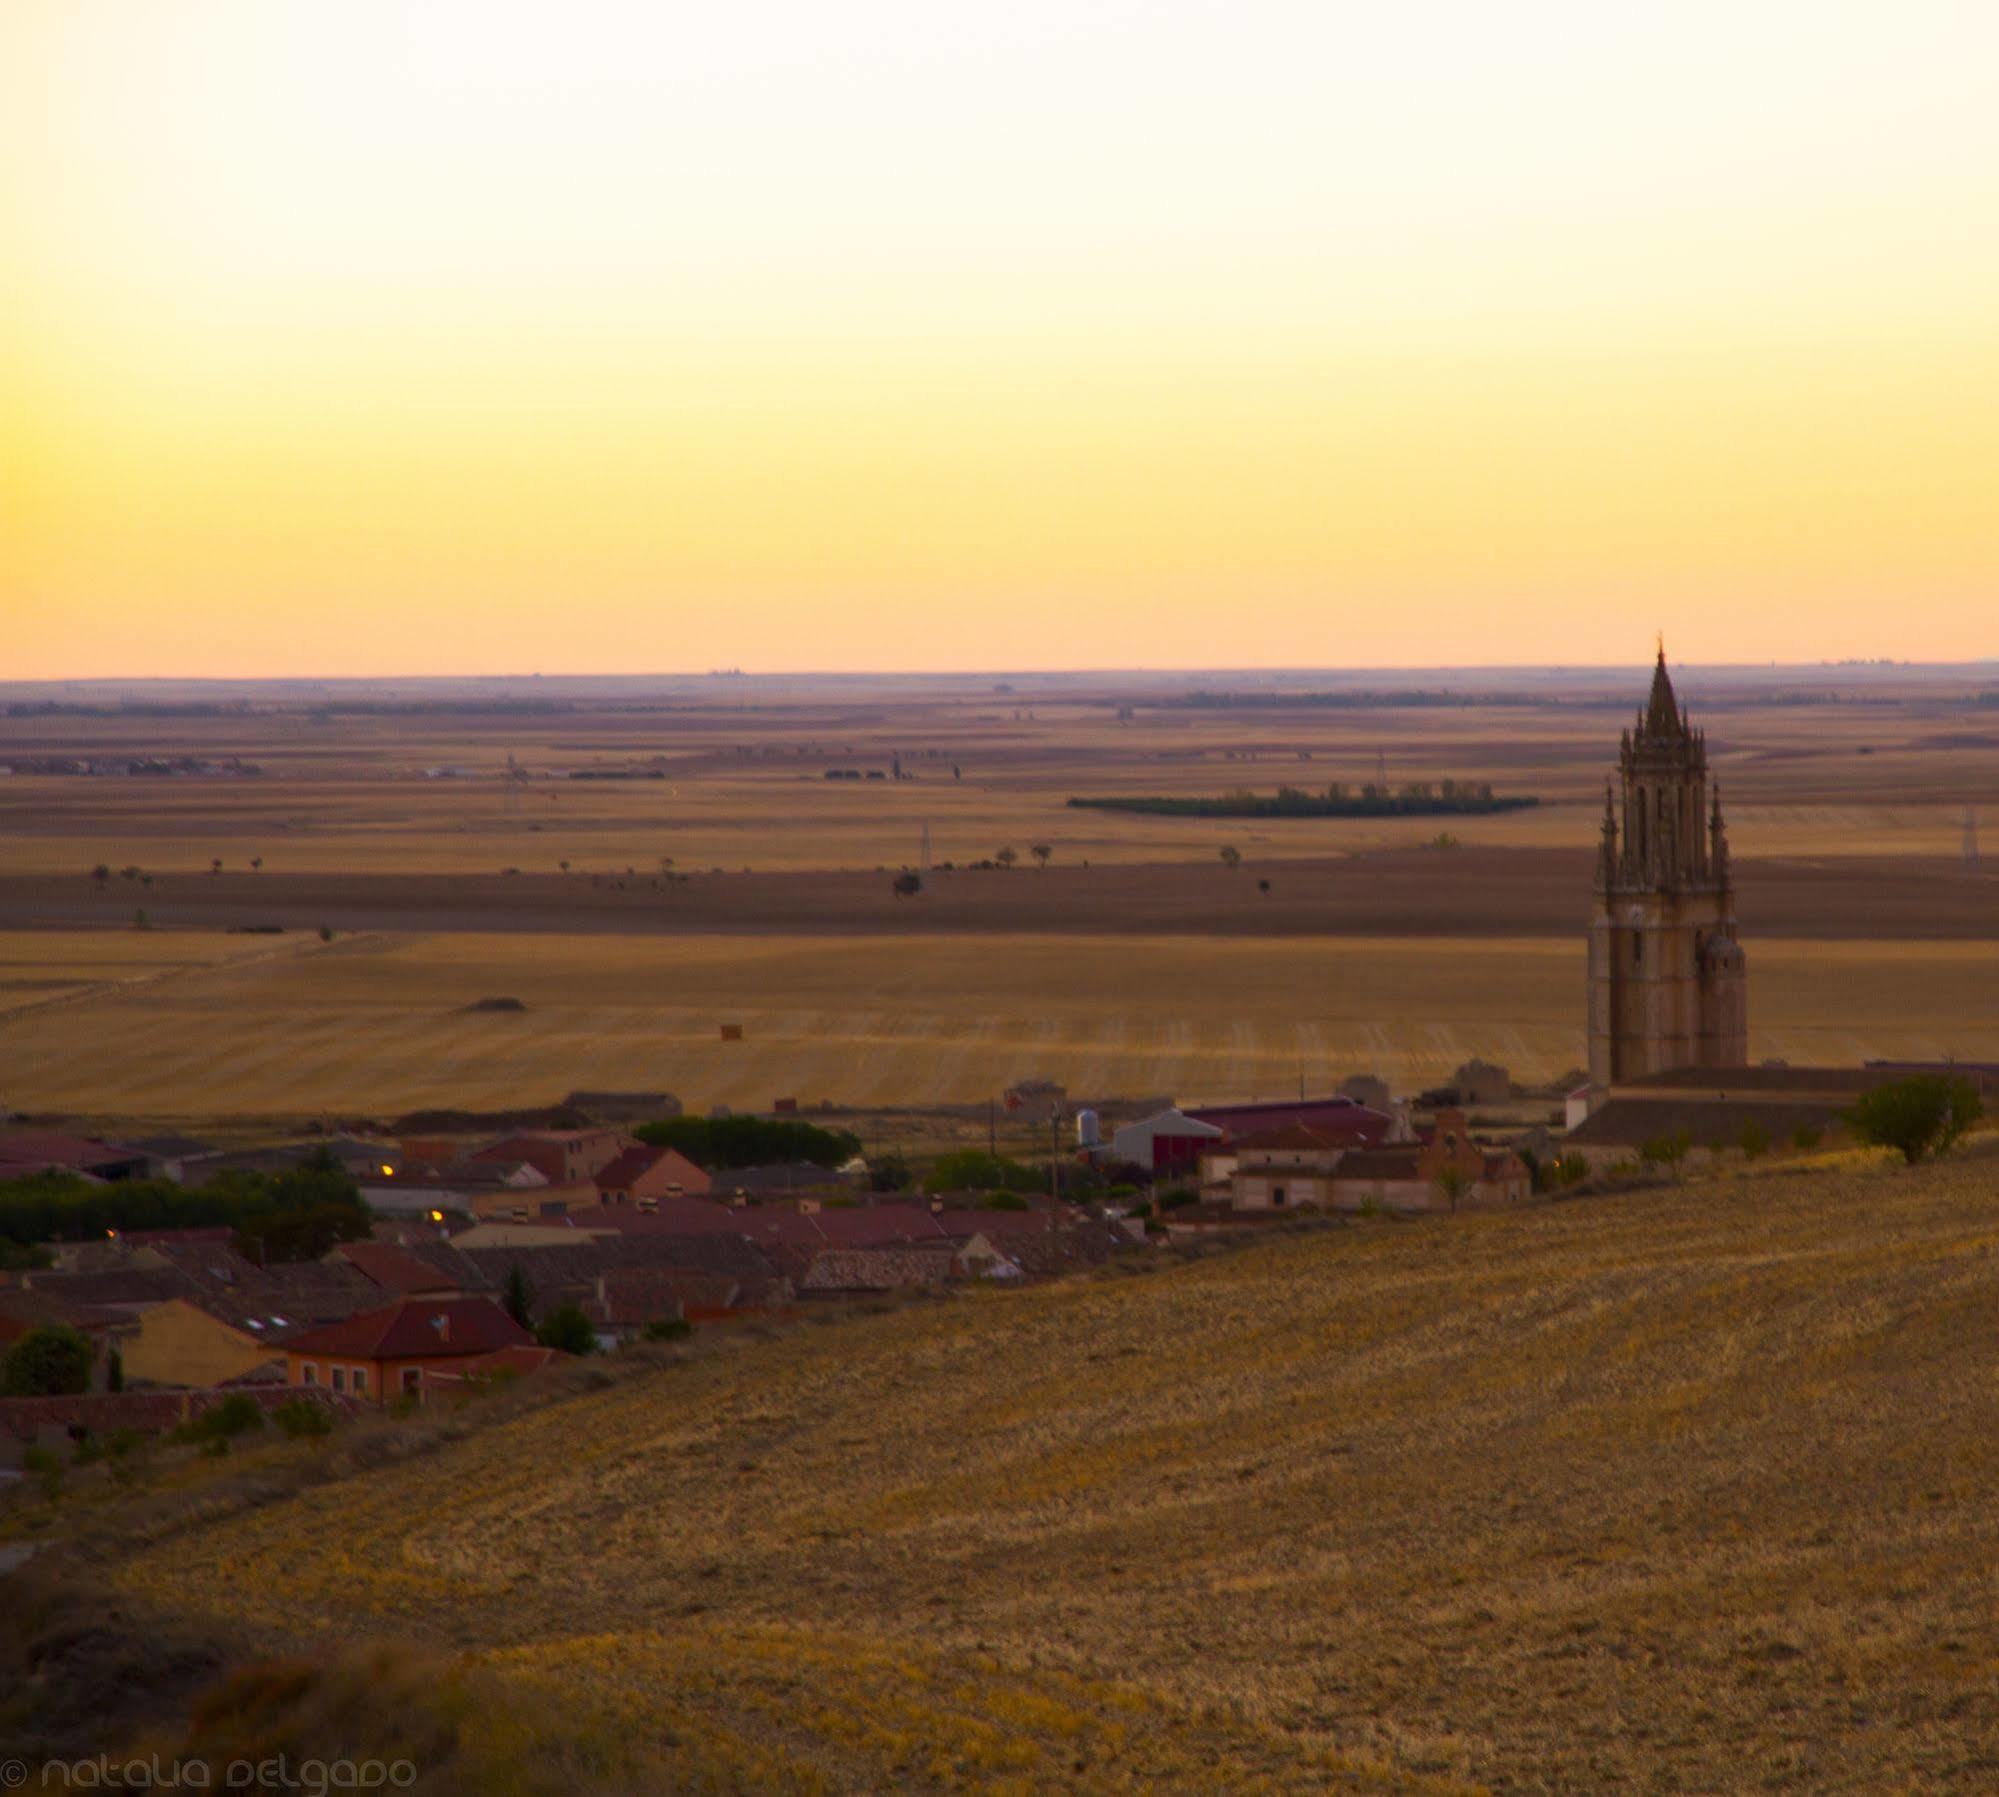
x=100, y=873
x=567, y=1330
x=48, y=1363
x=1263, y=886
x=1006, y=857
x=114, y=1371
x=256, y=864
x=1231, y=857
x=1451, y=1184
x=1042, y=851
x=517, y=1300
x=906, y=884
x=215, y=866
x=1919, y=1116
x=1753, y=1139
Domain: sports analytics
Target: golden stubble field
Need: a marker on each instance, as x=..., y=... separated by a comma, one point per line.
x=186, y=1025
x=1687, y=1490
x=743, y=785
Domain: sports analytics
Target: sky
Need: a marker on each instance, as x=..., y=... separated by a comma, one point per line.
x=456, y=337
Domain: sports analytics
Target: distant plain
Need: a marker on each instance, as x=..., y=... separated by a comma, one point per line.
x=741, y=884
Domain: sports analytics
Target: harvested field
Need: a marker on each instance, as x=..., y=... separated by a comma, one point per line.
x=1683, y=1491
x=1404, y=892
x=380, y=1023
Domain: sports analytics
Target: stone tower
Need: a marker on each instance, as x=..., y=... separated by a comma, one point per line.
x=1668, y=986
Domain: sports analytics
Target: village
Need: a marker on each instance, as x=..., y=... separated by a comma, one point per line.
x=152, y=1281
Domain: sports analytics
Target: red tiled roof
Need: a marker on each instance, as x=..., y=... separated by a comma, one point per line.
x=417, y=1329
x=1292, y=1137
x=395, y=1269
x=615, y=1176
x=529, y=1359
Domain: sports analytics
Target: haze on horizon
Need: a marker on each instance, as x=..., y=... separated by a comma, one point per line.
x=465, y=338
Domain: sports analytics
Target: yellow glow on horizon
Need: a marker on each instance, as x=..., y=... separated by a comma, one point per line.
x=462, y=338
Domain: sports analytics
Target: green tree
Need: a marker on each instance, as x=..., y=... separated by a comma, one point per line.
x=517, y=1300
x=1753, y=1139
x=49, y=1362
x=1917, y=1117
x=1042, y=852
x=1006, y=857
x=567, y=1330
x=907, y=884
x=1451, y=1185
x=1231, y=857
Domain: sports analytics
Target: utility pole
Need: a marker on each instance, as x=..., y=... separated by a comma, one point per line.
x=1055, y=1152
x=1970, y=837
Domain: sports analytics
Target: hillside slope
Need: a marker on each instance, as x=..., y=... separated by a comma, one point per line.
x=1682, y=1491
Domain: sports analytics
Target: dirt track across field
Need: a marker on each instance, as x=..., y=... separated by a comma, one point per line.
x=1469, y=891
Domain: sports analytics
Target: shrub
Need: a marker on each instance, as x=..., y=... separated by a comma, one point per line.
x=302, y=1419
x=974, y=1170
x=1667, y=1151
x=1807, y=1136
x=668, y=1329
x=47, y=1467
x=1917, y=1117
x=567, y=1330
x=1753, y=1139
x=1177, y=1197
x=1003, y=1201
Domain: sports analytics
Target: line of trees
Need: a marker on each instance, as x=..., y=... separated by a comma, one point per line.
x=717, y=1143
x=1421, y=798
x=295, y=1215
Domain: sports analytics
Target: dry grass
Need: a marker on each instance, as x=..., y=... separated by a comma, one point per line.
x=1680, y=1491
x=377, y=1023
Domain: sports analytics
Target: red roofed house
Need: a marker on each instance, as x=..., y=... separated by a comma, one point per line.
x=643, y=1174
x=385, y=1353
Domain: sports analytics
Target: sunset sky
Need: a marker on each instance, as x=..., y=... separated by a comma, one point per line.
x=469, y=337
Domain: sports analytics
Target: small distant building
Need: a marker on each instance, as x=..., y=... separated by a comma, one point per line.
x=1295, y=1167
x=24, y=1153
x=1166, y=1145
x=624, y=1107
x=1041, y=1097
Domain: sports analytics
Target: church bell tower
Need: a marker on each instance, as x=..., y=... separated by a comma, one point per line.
x=1667, y=979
